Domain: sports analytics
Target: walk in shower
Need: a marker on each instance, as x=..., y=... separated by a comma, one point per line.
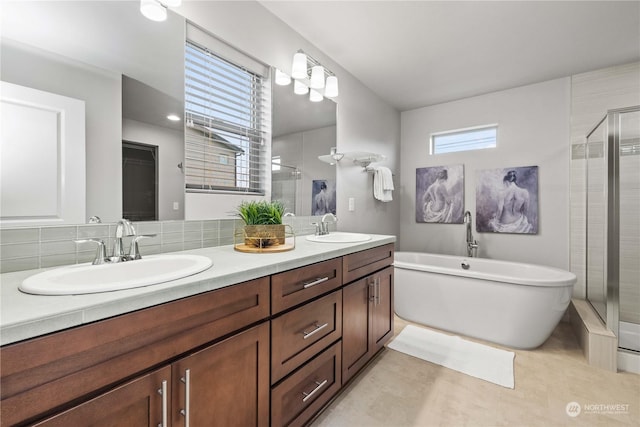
x=284, y=184
x=612, y=221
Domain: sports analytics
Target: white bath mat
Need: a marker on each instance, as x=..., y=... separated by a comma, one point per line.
x=480, y=361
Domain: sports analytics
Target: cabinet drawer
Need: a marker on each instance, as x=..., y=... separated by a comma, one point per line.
x=294, y=287
x=46, y=373
x=306, y=391
x=360, y=264
x=298, y=335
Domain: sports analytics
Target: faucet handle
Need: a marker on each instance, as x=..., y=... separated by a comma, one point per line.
x=317, y=227
x=134, y=250
x=101, y=251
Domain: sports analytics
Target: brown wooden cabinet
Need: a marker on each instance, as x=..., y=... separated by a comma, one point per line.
x=226, y=384
x=46, y=375
x=300, y=334
x=274, y=350
x=141, y=402
x=367, y=320
x=307, y=390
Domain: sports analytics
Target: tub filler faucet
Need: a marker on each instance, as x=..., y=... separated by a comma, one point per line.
x=472, y=245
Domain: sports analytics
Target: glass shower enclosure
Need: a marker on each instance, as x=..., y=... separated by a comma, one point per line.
x=612, y=273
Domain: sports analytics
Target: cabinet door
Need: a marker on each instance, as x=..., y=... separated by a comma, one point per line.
x=356, y=326
x=226, y=384
x=141, y=402
x=367, y=320
x=382, y=310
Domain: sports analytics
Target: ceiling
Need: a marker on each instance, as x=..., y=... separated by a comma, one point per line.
x=420, y=53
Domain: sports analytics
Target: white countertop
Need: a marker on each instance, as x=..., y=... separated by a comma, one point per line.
x=24, y=316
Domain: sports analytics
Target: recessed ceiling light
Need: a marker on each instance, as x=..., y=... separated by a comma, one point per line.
x=173, y=117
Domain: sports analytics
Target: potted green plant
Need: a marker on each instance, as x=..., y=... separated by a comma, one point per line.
x=263, y=222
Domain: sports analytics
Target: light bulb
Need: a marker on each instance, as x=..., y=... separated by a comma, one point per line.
x=317, y=77
x=300, y=88
x=331, y=89
x=299, y=66
x=282, y=79
x=315, y=96
x=152, y=9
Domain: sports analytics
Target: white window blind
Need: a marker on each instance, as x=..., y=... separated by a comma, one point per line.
x=475, y=138
x=227, y=119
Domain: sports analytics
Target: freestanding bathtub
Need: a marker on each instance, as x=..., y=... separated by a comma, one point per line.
x=512, y=304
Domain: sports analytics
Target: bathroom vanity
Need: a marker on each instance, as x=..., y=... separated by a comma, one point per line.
x=258, y=339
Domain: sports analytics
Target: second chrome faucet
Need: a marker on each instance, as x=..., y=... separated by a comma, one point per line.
x=472, y=245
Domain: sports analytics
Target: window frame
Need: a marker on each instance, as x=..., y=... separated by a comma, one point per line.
x=433, y=136
x=209, y=138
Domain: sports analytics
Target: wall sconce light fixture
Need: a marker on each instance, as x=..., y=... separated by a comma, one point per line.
x=306, y=73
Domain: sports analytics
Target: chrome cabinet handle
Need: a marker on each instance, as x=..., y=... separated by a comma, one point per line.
x=377, y=291
x=163, y=392
x=315, y=282
x=371, y=290
x=316, y=330
x=307, y=396
x=187, y=396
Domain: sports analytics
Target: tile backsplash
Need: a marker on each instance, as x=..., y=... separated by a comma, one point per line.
x=40, y=247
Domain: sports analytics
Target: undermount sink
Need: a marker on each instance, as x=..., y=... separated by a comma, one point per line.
x=88, y=279
x=339, y=237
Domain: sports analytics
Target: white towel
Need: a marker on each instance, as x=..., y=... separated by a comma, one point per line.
x=383, y=184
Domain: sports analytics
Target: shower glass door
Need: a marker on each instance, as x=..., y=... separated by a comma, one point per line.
x=628, y=123
x=596, y=244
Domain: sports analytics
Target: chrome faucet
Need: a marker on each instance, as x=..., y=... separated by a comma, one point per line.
x=472, y=245
x=124, y=228
x=324, y=225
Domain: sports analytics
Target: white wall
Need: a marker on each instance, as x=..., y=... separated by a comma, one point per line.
x=364, y=121
x=533, y=131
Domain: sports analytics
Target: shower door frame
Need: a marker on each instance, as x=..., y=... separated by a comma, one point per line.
x=612, y=197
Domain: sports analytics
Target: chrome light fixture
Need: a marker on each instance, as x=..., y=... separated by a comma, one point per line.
x=308, y=72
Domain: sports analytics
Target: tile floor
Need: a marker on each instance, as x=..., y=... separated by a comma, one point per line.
x=398, y=390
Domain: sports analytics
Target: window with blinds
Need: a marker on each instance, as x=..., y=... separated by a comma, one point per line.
x=226, y=123
x=475, y=138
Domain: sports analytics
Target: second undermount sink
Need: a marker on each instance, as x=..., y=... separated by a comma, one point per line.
x=88, y=279
x=339, y=237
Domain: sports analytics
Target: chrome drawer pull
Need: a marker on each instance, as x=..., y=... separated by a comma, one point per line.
x=317, y=328
x=187, y=396
x=315, y=282
x=307, y=396
x=163, y=392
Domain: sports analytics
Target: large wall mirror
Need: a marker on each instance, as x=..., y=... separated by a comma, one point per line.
x=130, y=73
x=302, y=131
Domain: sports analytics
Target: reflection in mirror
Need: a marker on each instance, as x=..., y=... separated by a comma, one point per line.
x=105, y=53
x=152, y=179
x=302, y=131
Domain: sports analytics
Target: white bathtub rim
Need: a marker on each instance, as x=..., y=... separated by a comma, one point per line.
x=563, y=278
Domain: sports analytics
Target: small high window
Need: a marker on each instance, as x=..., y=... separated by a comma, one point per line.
x=468, y=139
